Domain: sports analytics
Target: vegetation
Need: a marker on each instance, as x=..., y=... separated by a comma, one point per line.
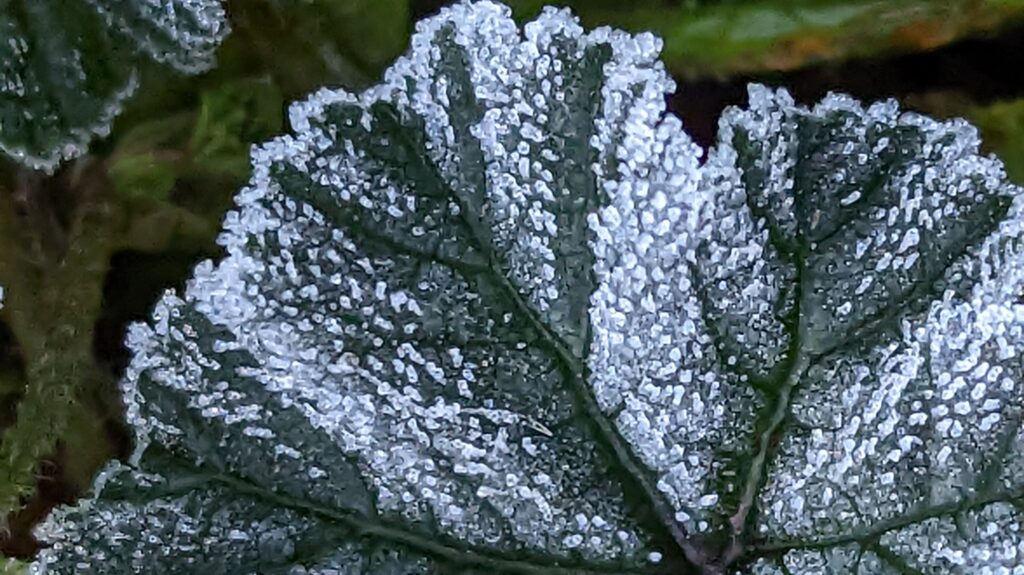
x=89, y=248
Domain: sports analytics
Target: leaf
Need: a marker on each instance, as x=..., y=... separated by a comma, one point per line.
x=494, y=315
x=52, y=104
x=715, y=38
x=906, y=419
x=181, y=33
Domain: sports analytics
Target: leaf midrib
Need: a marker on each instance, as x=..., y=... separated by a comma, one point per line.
x=576, y=373
x=574, y=370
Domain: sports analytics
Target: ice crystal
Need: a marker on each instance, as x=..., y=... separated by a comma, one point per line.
x=66, y=66
x=494, y=315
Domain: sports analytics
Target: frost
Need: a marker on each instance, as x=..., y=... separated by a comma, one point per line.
x=494, y=315
x=182, y=33
x=67, y=66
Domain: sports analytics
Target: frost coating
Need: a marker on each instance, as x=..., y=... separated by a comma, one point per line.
x=181, y=33
x=653, y=360
x=66, y=67
x=230, y=534
x=216, y=530
x=924, y=415
x=846, y=559
x=493, y=315
x=377, y=340
x=987, y=541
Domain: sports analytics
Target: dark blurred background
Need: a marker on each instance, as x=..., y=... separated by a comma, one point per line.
x=92, y=246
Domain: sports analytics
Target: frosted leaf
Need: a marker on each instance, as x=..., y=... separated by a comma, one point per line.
x=866, y=205
x=356, y=559
x=987, y=541
x=67, y=66
x=182, y=33
x=916, y=410
x=397, y=331
x=654, y=360
x=493, y=315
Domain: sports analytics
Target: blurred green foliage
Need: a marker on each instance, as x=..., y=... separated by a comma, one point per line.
x=213, y=141
x=140, y=165
x=724, y=37
x=1002, y=128
x=231, y=117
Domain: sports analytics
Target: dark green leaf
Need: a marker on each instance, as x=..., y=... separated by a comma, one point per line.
x=494, y=315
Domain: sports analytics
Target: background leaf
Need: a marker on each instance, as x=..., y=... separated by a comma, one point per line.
x=68, y=66
x=742, y=36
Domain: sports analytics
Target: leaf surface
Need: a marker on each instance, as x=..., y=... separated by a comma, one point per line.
x=494, y=315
